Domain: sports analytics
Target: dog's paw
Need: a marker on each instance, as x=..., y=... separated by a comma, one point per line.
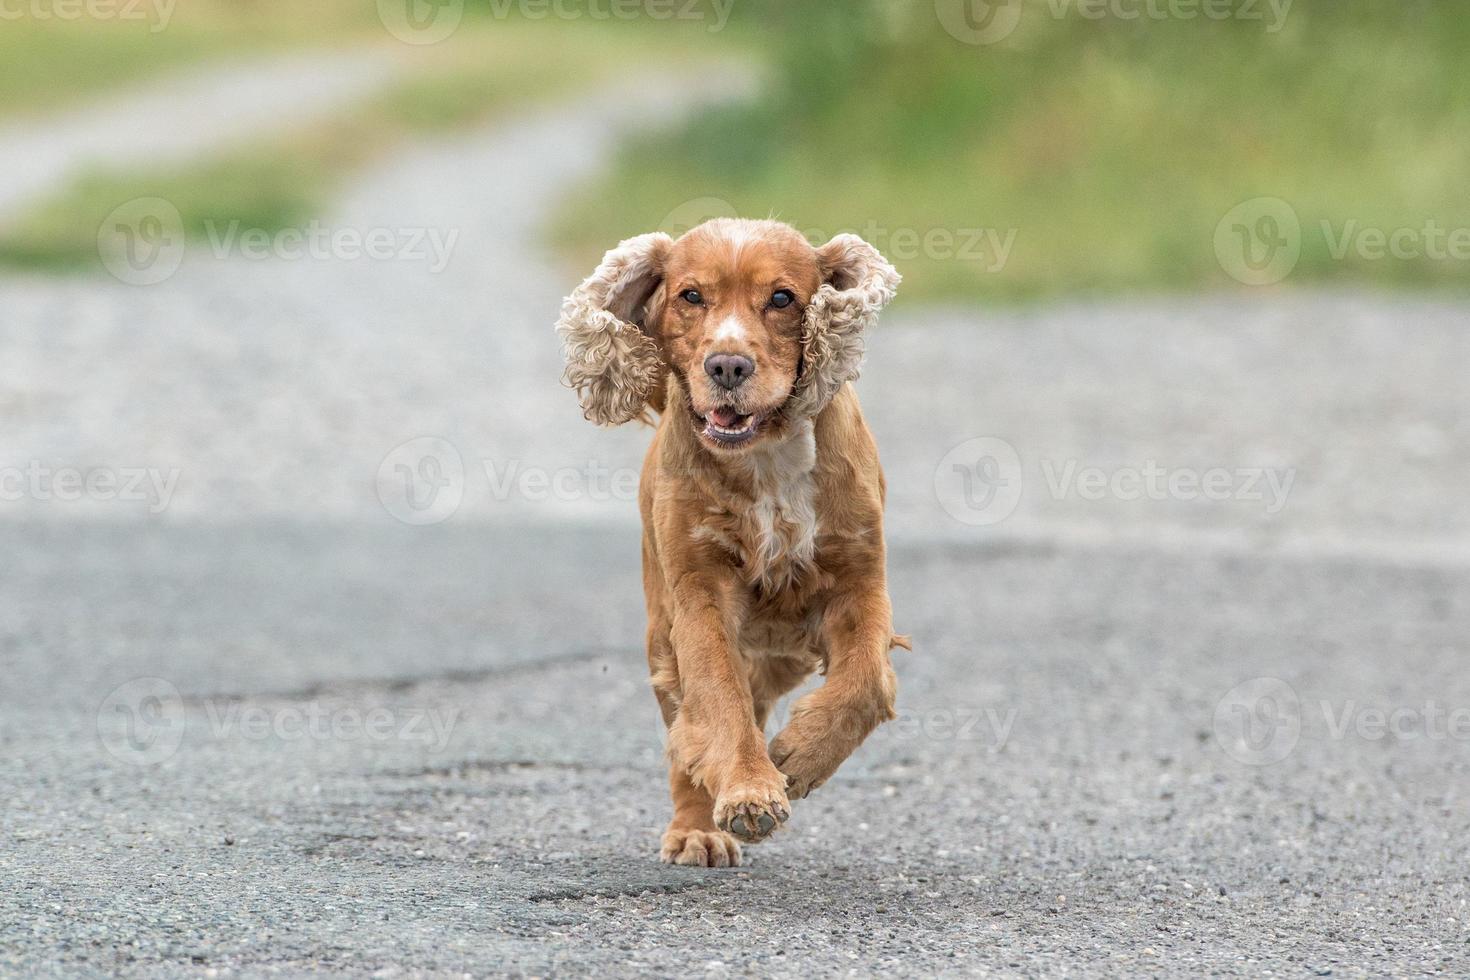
x=752, y=812
x=699, y=848
x=824, y=730
x=806, y=759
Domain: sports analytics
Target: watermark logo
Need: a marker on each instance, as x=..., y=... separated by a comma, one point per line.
x=716, y=12
x=1267, y=485
x=315, y=721
x=987, y=249
x=147, y=485
x=979, y=21
x=992, y=21
x=421, y=21
x=594, y=481
x=979, y=482
x=156, y=13
x=1258, y=242
x=1259, y=722
x=695, y=212
x=990, y=724
x=431, y=247
x=1431, y=240
x=422, y=481
x=141, y=242
x=142, y=722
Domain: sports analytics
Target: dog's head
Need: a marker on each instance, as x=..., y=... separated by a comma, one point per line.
x=759, y=328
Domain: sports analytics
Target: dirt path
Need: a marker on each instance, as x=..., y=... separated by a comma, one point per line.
x=184, y=115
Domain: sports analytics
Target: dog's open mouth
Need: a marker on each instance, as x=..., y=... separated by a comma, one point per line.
x=729, y=427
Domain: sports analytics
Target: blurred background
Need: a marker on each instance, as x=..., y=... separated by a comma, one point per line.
x=1111, y=137
x=1171, y=407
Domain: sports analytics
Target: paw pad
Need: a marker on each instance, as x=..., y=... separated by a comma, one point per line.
x=753, y=821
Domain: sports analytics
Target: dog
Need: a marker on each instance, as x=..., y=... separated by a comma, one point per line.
x=762, y=506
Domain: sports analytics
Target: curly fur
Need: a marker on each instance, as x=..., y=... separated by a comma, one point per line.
x=611, y=363
x=860, y=283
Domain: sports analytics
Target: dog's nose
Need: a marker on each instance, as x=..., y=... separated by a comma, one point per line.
x=729, y=371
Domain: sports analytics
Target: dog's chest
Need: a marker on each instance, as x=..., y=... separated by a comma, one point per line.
x=773, y=528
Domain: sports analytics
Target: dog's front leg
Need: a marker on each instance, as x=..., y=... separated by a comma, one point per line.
x=830, y=723
x=714, y=736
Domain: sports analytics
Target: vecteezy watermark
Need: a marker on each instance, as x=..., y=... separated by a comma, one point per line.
x=422, y=481
x=1268, y=485
x=981, y=481
x=432, y=21
x=145, y=721
x=593, y=481
x=141, y=242
x=316, y=721
x=1259, y=722
x=992, y=21
x=716, y=13
x=432, y=247
x=1259, y=242
x=989, y=249
x=991, y=725
x=1429, y=240
x=421, y=21
x=425, y=480
x=1262, y=720
x=142, y=722
x=147, y=485
x=155, y=13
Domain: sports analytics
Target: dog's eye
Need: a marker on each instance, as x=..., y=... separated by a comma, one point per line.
x=782, y=298
x=692, y=297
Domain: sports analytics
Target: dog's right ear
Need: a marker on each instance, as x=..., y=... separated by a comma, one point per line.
x=611, y=362
x=857, y=283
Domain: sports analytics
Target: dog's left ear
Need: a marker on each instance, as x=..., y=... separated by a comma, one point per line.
x=857, y=282
x=611, y=362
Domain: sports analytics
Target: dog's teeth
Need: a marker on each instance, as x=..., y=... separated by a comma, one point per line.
x=731, y=431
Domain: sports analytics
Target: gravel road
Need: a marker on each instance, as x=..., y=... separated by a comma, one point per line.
x=311, y=704
x=140, y=127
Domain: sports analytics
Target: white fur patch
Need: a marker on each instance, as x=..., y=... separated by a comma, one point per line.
x=737, y=233
x=703, y=532
x=785, y=505
x=730, y=329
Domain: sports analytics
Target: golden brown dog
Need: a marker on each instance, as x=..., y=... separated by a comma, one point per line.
x=762, y=503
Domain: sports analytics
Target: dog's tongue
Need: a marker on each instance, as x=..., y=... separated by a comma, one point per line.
x=725, y=418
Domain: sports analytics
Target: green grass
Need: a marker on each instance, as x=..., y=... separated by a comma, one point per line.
x=284, y=181
x=1111, y=148
x=49, y=62
x=1106, y=152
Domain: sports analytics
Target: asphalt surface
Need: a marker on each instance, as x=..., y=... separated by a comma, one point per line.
x=1060, y=795
x=325, y=704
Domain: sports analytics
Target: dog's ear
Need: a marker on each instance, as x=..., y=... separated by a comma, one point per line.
x=611, y=362
x=857, y=282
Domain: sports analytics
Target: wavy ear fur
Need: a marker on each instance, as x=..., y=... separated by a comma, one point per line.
x=613, y=365
x=857, y=283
